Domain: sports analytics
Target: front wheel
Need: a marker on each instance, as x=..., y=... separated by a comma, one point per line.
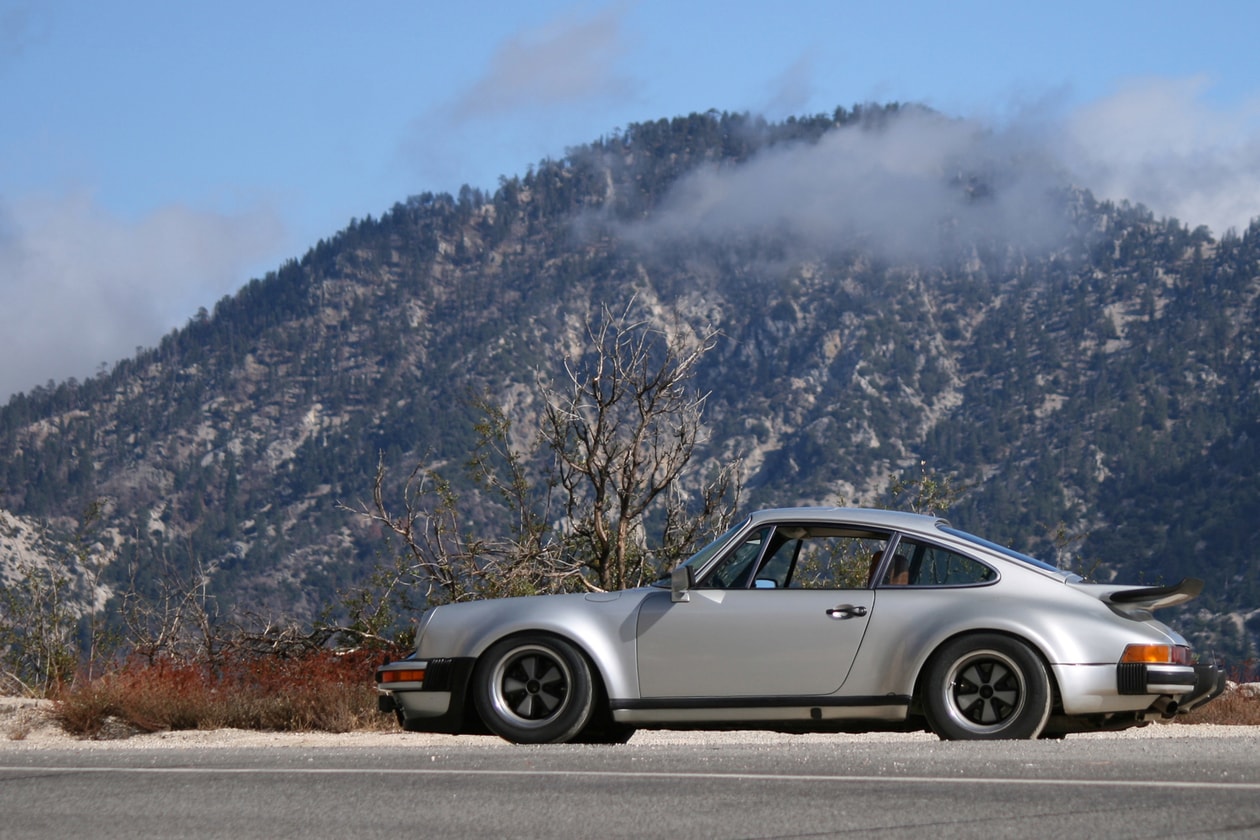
x=987, y=687
x=534, y=689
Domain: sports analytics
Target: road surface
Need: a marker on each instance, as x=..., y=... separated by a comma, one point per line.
x=1173, y=782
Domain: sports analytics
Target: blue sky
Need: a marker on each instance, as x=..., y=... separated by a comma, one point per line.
x=154, y=156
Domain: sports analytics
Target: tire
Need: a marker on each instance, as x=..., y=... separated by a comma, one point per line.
x=986, y=687
x=534, y=689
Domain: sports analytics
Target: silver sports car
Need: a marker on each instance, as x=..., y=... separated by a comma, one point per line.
x=810, y=619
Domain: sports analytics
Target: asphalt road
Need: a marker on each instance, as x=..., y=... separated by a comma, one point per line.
x=707, y=786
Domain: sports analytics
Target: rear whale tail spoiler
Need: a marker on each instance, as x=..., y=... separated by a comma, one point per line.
x=1157, y=597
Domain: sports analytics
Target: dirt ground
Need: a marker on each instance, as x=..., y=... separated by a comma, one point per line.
x=27, y=724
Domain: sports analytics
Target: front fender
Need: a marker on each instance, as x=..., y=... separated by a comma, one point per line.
x=601, y=625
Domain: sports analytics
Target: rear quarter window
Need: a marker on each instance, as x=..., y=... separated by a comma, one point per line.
x=920, y=563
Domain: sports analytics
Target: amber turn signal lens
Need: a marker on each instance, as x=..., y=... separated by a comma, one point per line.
x=1162, y=654
x=400, y=676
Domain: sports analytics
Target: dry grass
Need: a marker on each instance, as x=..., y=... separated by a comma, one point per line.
x=321, y=691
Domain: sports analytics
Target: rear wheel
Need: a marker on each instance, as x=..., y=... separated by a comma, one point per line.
x=534, y=689
x=987, y=687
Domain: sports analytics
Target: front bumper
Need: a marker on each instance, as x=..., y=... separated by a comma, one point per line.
x=436, y=703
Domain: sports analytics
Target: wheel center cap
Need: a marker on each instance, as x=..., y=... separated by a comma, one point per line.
x=986, y=692
x=533, y=686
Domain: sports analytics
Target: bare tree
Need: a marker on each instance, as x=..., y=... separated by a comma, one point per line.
x=52, y=613
x=624, y=426
x=179, y=622
x=442, y=558
x=611, y=459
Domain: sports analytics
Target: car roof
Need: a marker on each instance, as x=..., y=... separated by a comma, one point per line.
x=894, y=520
x=935, y=527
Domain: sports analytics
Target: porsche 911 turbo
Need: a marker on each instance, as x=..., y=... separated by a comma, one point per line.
x=810, y=620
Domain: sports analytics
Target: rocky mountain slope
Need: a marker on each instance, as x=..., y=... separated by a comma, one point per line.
x=1087, y=371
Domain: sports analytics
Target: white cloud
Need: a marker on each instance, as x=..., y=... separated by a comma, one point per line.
x=901, y=188
x=538, y=93
x=569, y=61
x=81, y=287
x=17, y=30
x=1159, y=142
x=792, y=89
x=904, y=188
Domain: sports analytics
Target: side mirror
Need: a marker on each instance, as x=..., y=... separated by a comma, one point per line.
x=680, y=581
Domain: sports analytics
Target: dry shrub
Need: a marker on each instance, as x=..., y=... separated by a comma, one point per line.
x=1238, y=706
x=321, y=691
x=317, y=691
x=84, y=709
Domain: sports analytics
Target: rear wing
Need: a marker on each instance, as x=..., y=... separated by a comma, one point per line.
x=1156, y=597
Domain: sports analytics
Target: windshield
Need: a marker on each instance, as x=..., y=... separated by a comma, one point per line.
x=1009, y=552
x=702, y=556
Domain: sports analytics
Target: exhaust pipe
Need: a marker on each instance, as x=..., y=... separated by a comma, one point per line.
x=1166, y=706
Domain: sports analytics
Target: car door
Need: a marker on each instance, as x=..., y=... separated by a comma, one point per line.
x=781, y=614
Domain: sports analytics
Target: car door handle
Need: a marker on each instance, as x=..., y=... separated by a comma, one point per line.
x=846, y=611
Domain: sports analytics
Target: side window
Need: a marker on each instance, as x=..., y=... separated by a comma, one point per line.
x=919, y=563
x=798, y=557
x=733, y=571
x=830, y=558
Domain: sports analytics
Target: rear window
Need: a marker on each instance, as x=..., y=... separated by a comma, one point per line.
x=920, y=563
x=1008, y=552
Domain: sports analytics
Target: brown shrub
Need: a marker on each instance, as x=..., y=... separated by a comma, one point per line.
x=84, y=710
x=1238, y=706
x=317, y=691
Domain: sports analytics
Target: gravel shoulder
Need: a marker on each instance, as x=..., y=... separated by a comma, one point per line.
x=26, y=724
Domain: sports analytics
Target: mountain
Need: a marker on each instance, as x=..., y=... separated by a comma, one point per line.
x=895, y=291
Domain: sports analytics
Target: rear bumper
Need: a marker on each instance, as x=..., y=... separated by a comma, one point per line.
x=1196, y=684
x=1182, y=688
x=436, y=704
x=1155, y=678
x=1209, y=684
x=1136, y=687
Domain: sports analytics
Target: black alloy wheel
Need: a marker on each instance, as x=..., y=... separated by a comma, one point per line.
x=534, y=689
x=987, y=687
